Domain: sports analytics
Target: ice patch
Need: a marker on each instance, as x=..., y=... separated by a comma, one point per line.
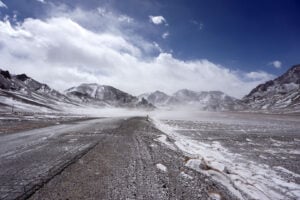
x=215, y=196
x=164, y=139
x=263, y=157
x=201, y=166
x=161, y=167
x=184, y=175
x=294, y=152
x=282, y=169
x=194, y=164
x=244, y=178
x=72, y=140
x=153, y=145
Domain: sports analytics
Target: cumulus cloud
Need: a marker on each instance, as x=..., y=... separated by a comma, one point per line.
x=105, y=20
x=276, y=63
x=165, y=35
x=157, y=20
x=2, y=5
x=61, y=52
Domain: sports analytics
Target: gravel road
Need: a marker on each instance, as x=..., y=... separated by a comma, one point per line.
x=128, y=163
x=30, y=158
x=129, y=158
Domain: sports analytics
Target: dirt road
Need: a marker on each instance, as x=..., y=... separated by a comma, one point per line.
x=29, y=159
x=127, y=163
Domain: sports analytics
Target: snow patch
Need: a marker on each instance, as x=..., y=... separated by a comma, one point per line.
x=244, y=178
x=164, y=139
x=215, y=196
x=186, y=176
x=161, y=167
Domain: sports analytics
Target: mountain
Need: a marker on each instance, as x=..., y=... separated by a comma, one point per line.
x=280, y=94
x=211, y=101
x=208, y=100
x=105, y=95
x=159, y=98
x=23, y=93
x=26, y=94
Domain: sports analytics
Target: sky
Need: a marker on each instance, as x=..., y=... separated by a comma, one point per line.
x=142, y=46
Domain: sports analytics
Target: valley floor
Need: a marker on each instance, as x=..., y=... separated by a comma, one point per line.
x=217, y=156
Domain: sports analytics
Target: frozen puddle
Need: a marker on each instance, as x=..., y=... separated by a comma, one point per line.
x=244, y=178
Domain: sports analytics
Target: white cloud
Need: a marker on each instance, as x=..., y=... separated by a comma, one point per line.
x=157, y=47
x=199, y=25
x=105, y=20
x=158, y=20
x=2, y=5
x=62, y=53
x=125, y=18
x=277, y=64
x=41, y=1
x=260, y=75
x=102, y=11
x=165, y=35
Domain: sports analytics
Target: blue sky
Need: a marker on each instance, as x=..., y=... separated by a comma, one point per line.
x=249, y=41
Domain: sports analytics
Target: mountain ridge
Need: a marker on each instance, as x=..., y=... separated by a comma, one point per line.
x=203, y=100
x=280, y=93
x=26, y=94
x=104, y=95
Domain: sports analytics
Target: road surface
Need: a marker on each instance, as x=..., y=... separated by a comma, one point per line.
x=27, y=159
x=98, y=159
x=227, y=157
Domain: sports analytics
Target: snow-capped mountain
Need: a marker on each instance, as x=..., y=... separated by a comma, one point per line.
x=208, y=100
x=212, y=100
x=25, y=93
x=22, y=93
x=159, y=98
x=105, y=95
x=282, y=93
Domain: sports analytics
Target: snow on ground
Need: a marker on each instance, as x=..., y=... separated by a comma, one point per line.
x=184, y=175
x=20, y=106
x=164, y=139
x=244, y=178
x=215, y=196
x=161, y=167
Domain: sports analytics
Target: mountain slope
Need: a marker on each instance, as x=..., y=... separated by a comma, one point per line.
x=280, y=94
x=22, y=93
x=27, y=94
x=105, y=95
x=211, y=101
x=159, y=98
x=208, y=100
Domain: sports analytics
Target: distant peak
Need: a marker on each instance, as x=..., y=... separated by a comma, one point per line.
x=6, y=74
x=90, y=84
x=184, y=91
x=22, y=77
x=216, y=92
x=295, y=68
x=158, y=92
